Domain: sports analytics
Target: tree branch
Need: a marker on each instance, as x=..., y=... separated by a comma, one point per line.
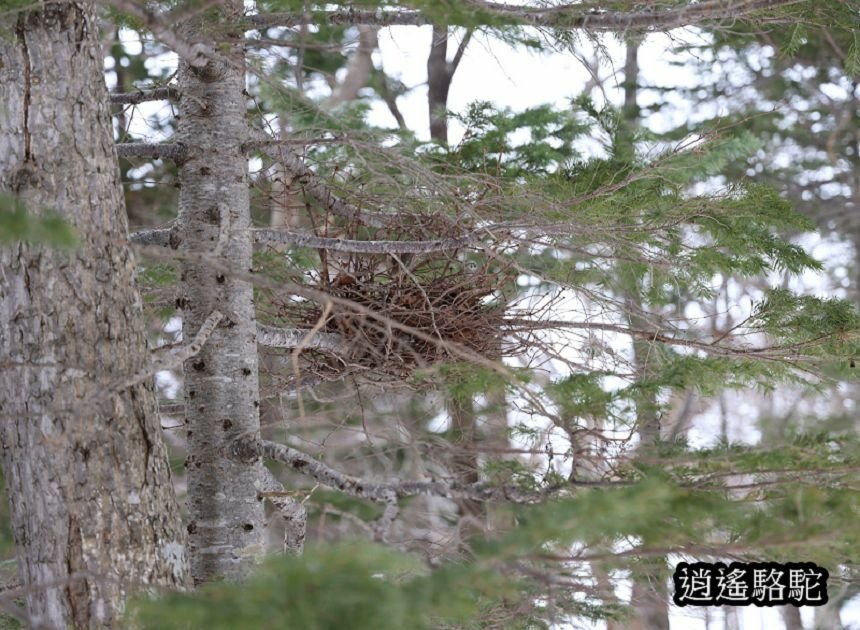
x=461, y=49
x=143, y=96
x=196, y=55
x=385, y=492
x=365, y=247
x=161, y=151
x=160, y=237
x=272, y=337
x=314, y=186
x=570, y=16
x=171, y=359
x=167, y=237
x=292, y=511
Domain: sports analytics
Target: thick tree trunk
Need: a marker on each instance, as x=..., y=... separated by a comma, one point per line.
x=93, y=508
x=222, y=382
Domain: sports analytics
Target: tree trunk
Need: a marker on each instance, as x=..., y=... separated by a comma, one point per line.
x=439, y=77
x=222, y=382
x=465, y=466
x=93, y=508
x=650, y=594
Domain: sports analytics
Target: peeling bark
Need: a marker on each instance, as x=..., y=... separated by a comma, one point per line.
x=93, y=509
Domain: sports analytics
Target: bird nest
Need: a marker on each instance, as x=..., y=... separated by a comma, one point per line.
x=395, y=314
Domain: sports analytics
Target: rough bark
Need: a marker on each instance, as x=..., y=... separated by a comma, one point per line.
x=93, y=509
x=226, y=531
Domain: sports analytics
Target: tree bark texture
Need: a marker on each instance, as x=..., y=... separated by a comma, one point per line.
x=222, y=382
x=93, y=508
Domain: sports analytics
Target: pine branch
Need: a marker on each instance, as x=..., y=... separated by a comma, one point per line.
x=143, y=96
x=568, y=16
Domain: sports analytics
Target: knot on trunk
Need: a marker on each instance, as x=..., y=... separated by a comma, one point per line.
x=245, y=449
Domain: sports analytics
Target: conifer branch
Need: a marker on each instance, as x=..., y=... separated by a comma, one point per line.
x=564, y=16
x=385, y=492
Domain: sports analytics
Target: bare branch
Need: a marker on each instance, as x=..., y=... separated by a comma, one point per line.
x=143, y=96
x=567, y=16
x=366, y=247
x=461, y=49
x=385, y=492
x=160, y=237
x=166, y=237
x=161, y=151
x=272, y=337
x=332, y=478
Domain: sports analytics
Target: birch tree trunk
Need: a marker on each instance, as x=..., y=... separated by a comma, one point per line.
x=222, y=382
x=93, y=509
